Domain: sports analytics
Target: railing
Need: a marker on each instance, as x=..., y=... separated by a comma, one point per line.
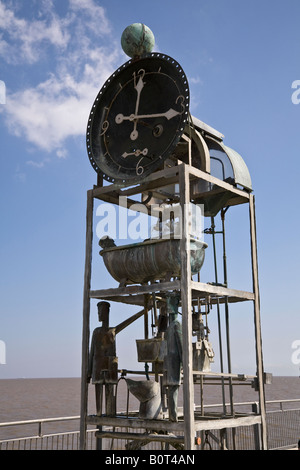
x=283, y=424
x=66, y=439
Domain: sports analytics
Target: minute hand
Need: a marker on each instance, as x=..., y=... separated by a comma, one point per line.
x=168, y=114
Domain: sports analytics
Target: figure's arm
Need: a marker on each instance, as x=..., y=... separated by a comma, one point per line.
x=128, y=322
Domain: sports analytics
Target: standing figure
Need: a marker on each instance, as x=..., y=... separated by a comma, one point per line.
x=173, y=358
x=103, y=362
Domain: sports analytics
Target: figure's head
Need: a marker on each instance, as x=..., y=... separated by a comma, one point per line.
x=103, y=311
x=172, y=304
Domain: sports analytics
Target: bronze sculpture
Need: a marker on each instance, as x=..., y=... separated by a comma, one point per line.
x=173, y=358
x=103, y=362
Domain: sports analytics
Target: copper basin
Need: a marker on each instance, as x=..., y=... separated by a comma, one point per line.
x=150, y=260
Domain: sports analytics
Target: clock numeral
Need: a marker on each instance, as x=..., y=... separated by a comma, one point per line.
x=139, y=168
x=104, y=127
x=180, y=99
x=140, y=74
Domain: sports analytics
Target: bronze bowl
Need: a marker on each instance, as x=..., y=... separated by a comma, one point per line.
x=150, y=260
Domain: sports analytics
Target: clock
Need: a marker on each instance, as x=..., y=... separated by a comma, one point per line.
x=137, y=118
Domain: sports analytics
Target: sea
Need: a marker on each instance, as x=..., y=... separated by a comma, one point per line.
x=31, y=399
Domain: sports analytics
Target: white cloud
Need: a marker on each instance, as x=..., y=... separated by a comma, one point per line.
x=196, y=80
x=58, y=107
x=62, y=153
x=37, y=164
x=26, y=37
x=97, y=20
x=19, y=175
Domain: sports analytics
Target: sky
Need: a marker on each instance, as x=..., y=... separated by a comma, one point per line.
x=242, y=63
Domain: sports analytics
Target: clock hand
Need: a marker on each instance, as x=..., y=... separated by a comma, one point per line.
x=139, y=86
x=136, y=153
x=133, y=117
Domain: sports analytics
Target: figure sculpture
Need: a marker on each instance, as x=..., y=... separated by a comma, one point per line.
x=103, y=361
x=173, y=358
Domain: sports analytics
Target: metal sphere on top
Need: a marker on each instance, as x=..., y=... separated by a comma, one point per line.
x=137, y=40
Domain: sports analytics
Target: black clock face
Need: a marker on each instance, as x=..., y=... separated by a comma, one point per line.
x=138, y=118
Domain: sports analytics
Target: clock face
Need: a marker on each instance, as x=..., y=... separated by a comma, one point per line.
x=138, y=118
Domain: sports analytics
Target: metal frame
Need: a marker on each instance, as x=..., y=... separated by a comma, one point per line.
x=190, y=290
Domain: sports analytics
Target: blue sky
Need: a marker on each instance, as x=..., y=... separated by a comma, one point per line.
x=241, y=59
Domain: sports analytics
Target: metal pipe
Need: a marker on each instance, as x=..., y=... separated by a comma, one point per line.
x=140, y=436
x=218, y=312
x=223, y=211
